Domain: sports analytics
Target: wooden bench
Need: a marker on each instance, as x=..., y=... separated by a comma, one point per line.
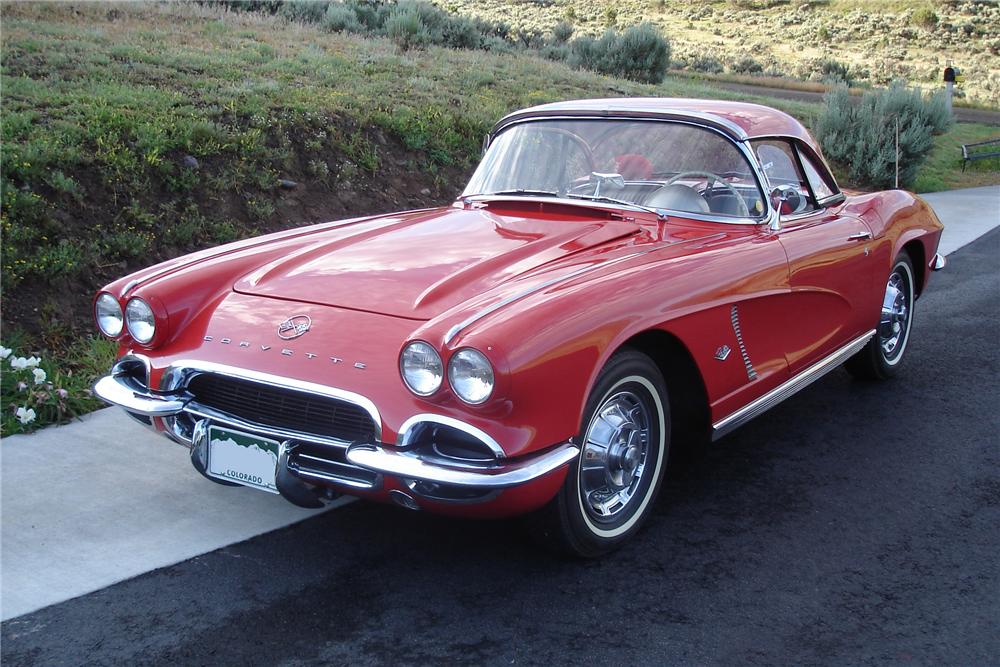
x=976, y=151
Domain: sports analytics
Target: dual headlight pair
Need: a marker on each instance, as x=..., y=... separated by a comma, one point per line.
x=138, y=318
x=469, y=372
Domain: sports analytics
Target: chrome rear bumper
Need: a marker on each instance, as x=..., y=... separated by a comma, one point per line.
x=938, y=262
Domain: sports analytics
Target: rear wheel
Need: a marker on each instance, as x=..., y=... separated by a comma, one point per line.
x=883, y=355
x=624, y=441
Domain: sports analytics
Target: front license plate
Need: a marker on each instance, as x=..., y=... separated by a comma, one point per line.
x=243, y=458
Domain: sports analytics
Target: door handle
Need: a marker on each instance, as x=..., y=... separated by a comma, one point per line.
x=860, y=236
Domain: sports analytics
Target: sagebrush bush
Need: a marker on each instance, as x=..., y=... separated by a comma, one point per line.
x=341, y=18
x=307, y=11
x=406, y=28
x=747, y=65
x=562, y=32
x=925, y=18
x=862, y=138
x=640, y=53
x=709, y=64
x=833, y=71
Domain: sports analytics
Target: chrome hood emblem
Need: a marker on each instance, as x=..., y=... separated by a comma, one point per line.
x=294, y=326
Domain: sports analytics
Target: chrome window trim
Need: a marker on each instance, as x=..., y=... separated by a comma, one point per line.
x=788, y=388
x=489, y=310
x=699, y=118
x=406, y=430
x=739, y=138
x=180, y=372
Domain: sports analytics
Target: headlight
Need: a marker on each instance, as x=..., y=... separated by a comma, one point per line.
x=421, y=368
x=471, y=375
x=140, y=320
x=109, y=315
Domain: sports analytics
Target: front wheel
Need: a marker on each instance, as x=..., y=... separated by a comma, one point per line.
x=624, y=441
x=882, y=356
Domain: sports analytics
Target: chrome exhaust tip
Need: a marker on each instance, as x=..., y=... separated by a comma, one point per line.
x=404, y=499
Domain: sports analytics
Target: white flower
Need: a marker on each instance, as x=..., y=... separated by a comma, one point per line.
x=5, y=352
x=21, y=386
x=39, y=375
x=25, y=416
x=20, y=363
x=62, y=393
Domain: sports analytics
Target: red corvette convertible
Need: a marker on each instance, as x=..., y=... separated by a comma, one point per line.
x=618, y=276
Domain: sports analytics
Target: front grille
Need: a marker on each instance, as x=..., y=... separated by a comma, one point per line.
x=284, y=408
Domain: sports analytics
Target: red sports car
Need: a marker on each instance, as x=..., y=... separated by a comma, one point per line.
x=618, y=276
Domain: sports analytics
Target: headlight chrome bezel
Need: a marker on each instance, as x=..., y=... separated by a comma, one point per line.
x=470, y=357
x=112, y=308
x=406, y=364
x=132, y=313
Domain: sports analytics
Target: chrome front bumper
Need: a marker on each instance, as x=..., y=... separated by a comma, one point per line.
x=412, y=466
x=407, y=462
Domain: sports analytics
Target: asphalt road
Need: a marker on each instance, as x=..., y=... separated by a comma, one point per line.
x=854, y=524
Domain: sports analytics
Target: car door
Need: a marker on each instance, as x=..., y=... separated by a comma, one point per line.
x=831, y=267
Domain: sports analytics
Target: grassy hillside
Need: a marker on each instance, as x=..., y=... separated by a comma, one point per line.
x=876, y=40
x=137, y=132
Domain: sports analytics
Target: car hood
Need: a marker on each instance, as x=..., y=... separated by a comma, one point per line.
x=420, y=264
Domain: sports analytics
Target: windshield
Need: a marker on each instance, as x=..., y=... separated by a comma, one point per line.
x=649, y=164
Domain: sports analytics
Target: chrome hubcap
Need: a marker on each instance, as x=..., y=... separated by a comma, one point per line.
x=895, y=314
x=614, y=455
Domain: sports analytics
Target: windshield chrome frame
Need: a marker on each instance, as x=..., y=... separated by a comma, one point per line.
x=742, y=144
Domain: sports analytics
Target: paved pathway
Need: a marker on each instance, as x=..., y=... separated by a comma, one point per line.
x=102, y=500
x=966, y=214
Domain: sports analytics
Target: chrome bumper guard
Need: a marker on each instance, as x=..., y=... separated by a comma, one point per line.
x=410, y=465
x=127, y=392
x=938, y=262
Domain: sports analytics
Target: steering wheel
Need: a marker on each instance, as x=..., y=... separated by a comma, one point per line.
x=588, y=154
x=713, y=178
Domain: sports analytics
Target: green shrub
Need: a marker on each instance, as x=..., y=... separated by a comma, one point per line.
x=307, y=11
x=835, y=72
x=369, y=15
x=557, y=52
x=925, y=18
x=406, y=27
x=862, y=138
x=747, y=65
x=709, y=64
x=562, y=32
x=640, y=54
x=341, y=18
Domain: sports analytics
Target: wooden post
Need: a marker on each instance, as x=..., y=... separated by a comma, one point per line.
x=897, y=152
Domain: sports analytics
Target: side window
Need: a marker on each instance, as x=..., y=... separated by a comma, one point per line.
x=822, y=187
x=782, y=167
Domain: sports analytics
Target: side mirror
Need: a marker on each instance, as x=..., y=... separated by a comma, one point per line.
x=781, y=195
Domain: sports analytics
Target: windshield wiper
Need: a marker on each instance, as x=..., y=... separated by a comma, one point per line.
x=620, y=202
x=522, y=193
